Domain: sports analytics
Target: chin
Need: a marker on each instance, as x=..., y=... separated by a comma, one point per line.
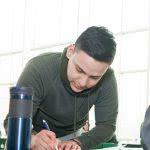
x=75, y=89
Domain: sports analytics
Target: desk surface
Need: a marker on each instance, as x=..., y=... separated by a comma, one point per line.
x=116, y=148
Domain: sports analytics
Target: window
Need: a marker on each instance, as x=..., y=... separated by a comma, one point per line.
x=31, y=27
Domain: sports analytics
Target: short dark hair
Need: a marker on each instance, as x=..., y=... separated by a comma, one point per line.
x=97, y=42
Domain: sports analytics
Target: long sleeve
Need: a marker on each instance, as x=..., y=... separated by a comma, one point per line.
x=145, y=130
x=29, y=78
x=106, y=110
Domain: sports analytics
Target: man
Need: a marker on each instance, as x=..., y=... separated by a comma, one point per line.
x=145, y=130
x=66, y=85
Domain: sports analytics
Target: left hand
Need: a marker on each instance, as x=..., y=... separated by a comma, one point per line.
x=68, y=145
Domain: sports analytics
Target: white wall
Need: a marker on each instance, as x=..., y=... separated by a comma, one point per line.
x=31, y=27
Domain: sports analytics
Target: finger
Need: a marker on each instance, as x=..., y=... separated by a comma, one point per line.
x=39, y=147
x=44, y=136
x=37, y=142
x=43, y=141
x=78, y=148
x=61, y=146
x=43, y=145
x=74, y=147
x=50, y=145
x=50, y=134
x=69, y=146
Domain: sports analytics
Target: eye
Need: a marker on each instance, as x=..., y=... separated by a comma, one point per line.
x=79, y=70
x=95, y=78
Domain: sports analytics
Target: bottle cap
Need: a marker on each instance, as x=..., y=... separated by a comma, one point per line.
x=19, y=92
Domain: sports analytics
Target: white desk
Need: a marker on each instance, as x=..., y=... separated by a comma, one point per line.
x=116, y=148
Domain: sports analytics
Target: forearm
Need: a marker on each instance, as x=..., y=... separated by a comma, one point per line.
x=100, y=134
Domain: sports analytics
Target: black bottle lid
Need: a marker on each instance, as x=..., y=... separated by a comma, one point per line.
x=18, y=92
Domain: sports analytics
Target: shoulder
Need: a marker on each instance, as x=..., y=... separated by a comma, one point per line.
x=43, y=67
x=108, y=87
x=145, y=129
x=46, y=57
x=107, y=81
x=45, y=61
x=109, y=77
x=109, y=72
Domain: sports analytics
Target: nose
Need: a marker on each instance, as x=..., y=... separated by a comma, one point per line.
x=84, y=81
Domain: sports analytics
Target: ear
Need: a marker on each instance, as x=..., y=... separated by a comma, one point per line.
x=70, y=50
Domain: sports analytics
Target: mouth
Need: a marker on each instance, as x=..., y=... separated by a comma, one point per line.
x=75, y=87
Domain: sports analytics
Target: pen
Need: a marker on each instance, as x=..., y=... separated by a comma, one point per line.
x=46, y=126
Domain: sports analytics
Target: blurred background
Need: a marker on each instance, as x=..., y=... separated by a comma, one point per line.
x=31, y=27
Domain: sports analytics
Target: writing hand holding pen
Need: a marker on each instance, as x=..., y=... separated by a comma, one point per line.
x=44, y=139
x=71, y=144
x=46, y=126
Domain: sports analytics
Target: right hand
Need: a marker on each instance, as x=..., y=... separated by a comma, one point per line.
x=44, y=140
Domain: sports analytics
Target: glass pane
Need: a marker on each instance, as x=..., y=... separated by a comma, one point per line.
x=16, y=67
x=5, y=66
x=12, y=25
x=69, y=20
x=11, y=67
x=45, y=17
x=6, y=26
x=134, y=53
x=37, y=52
x=116, y=62
x=18, y=24
x=132, y=104
x=4, y=90
x=106, y=13
x=135, y=14
x=84, y=10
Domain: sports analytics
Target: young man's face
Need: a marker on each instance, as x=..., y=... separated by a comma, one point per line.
x=83, y=71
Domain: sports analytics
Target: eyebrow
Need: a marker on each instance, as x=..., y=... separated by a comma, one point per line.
x=85, y=72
